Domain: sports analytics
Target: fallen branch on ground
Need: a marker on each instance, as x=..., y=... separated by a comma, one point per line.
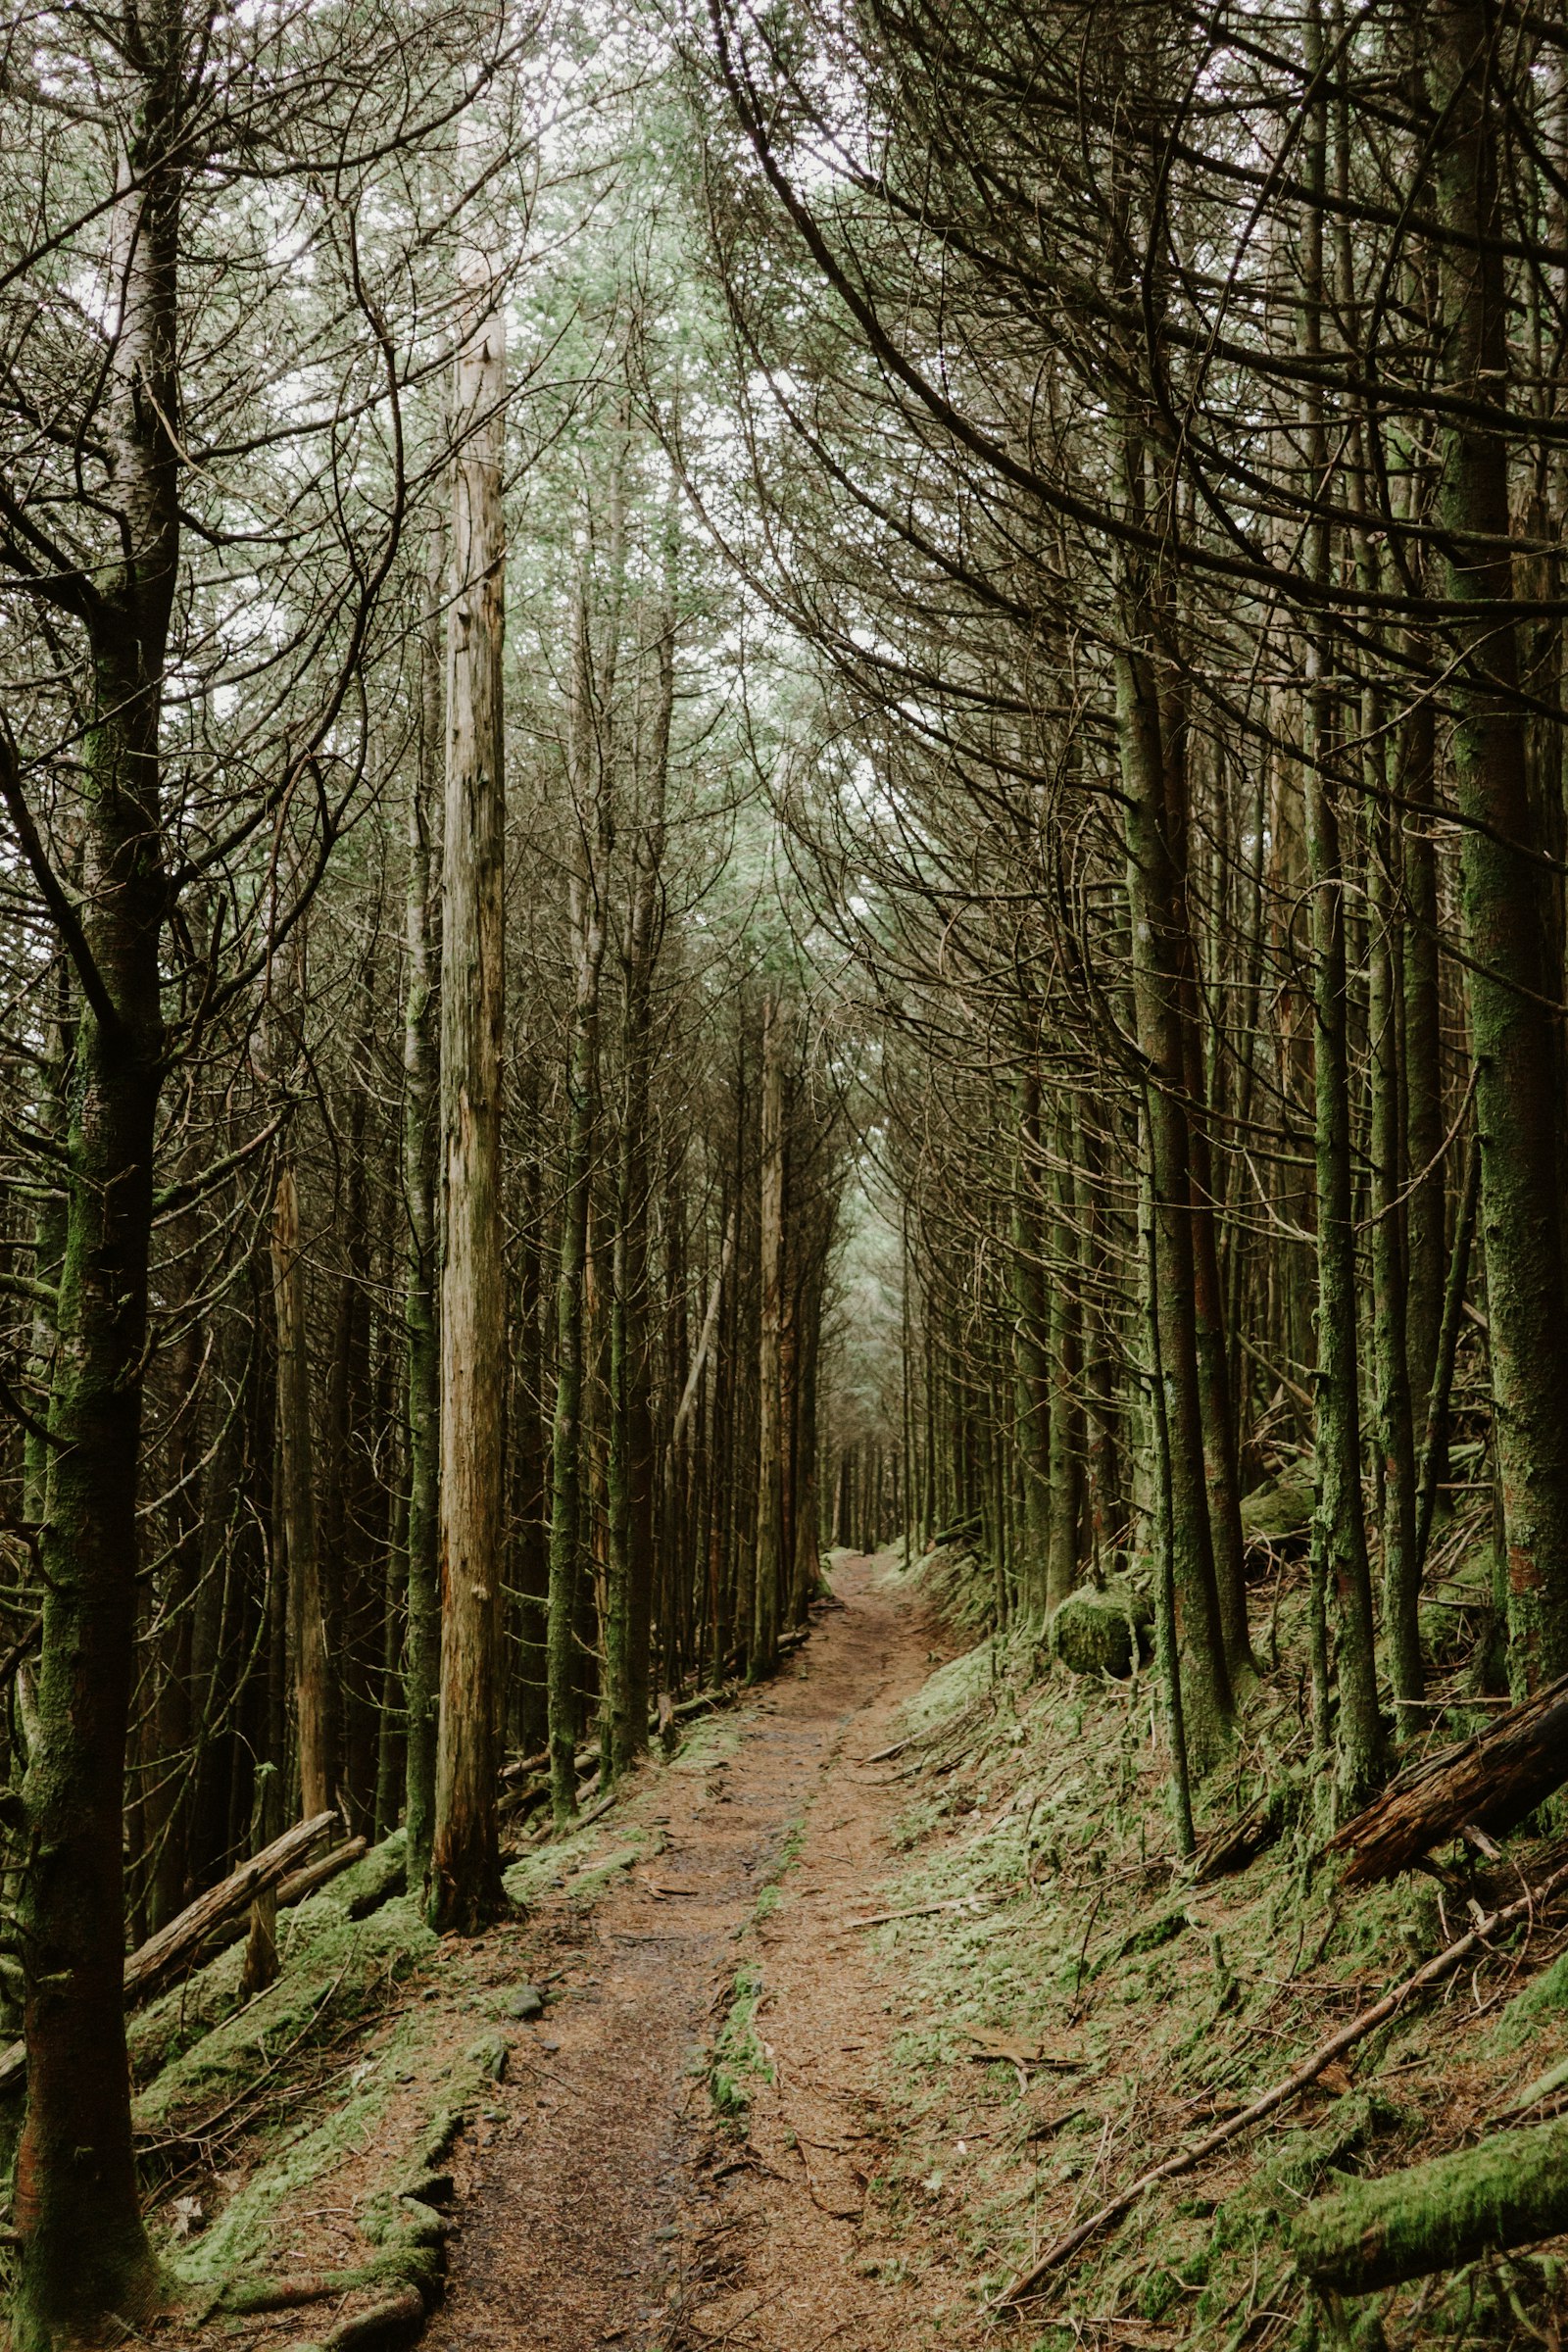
x=882, y=1919
x=186, y=1937
x=247, y=2300
x=1188, y=2159
x=885, y=1755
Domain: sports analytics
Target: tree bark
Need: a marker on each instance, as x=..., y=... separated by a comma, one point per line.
x=591, y=792
x=1207, y=1700
x=1066, y=1366
x=1031, y=1363
x=1509, y=2191
x=1490, y=1781
x=631, y=1462
x=422, y=1684
x=84, y=2251
x=769, y=1559
x=1339, y=1525
x=1505, y=911
x=307, y=1620
x=1401, y=1562
x=464, y=1857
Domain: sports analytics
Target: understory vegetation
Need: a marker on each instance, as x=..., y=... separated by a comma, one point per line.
x=1074, y=2004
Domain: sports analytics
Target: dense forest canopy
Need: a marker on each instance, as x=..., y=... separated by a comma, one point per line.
x=769, y=778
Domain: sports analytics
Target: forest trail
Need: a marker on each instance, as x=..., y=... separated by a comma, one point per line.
x=601, y=2204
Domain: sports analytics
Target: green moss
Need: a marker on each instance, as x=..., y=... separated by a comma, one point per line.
x=1096, y=1632
x=339, y=1969
x=1280, y=1510
x=1546, y=2001
x=1149, y=1937
x=739, y=2060
x=188, y=2012
x=408, y=2232
x=792, y=1847
x=1511, y=2191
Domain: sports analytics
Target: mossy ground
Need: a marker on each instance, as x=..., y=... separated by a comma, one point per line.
x=1145, y=2008
x=298, y=2131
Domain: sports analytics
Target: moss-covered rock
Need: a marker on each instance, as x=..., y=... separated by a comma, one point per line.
x=1094, y=1632
x=1280, y=1510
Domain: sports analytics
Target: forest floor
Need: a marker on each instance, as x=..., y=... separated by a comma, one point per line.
x=682, y=2152
x=614, y=2200
x=851, y=2008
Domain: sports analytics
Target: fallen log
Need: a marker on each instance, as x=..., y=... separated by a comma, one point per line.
x=1511, y=2192
x=883, y=1919
x=164, y=1954
x=1490, y=1781
x=187, y=1935
x=1186, y=2160
x=302, y=1882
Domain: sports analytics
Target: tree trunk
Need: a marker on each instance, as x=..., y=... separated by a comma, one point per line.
x=464, y=1858
x=1206, y=1692
x=85, y=2254
x=1066, y=1367
x=1510, y=991
x=1339, y=1526
x=168, y=1800
x=1424, y=1238
x=632, y=1466
x=769, y=1560
x=1031, y=1360
x=312, y=1687
x=1509, y=2191
x=421, y=1683
x=1208, y=1302
x=588, y=884
x=1402, y=1566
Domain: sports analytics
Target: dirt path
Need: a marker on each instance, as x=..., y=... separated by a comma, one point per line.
x=600, y=2204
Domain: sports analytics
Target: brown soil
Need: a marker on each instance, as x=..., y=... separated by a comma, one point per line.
x=602, y=2202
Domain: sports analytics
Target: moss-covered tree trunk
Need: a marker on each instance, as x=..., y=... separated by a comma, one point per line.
x=168, y=1798
x=1199, y=1635
x=1426, y=1248
x=629, y=1624
x=1030, y=1339
x=1402, y=1576
x=85, y=2260
x=296, y=1505
x=1510, y=990
x=1220, y=1467
x=1065, y=1344
x=1509, y=2191
x=1339, y=1525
